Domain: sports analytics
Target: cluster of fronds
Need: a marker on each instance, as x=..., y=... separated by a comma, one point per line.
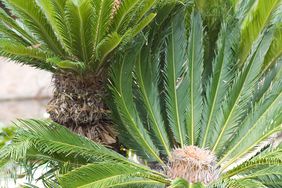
x=164, y=97
x=72, y=156
x=232, y=112
x=70, y=35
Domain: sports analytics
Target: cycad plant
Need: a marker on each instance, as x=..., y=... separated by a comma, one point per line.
x=254, y=16
x=75, y=40
x=186, y=130
x=219, y=124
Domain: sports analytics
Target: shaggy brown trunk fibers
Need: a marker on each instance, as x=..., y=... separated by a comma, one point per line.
x=78, y=104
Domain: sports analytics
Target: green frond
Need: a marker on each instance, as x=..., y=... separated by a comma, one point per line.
x=145, y=7
x=137, y=14
x=47, y=142
x=270, y=76
x=16, y=151
x=195, y=66
x=13, y=25
x=242, y=8
x=141, y=25
x=165, y=10
x=179, y=183
x=12, y=35
x=76, y=30
x=53, y=140
x=102, y=20
x=272, y=152
x=121, y=88
x=175, y=80
x=79, y=16
x=35, y=21
x=147, y=79
x=54, y=11
x=126, y=8
x=255, y=21
x=220, y=79
x=77, y=67
x=245, y=183
x=275, y=50
x=249, y=167
x=270, y=181
x=260, y=123
x=107, y=45
x=110, y=175
x=270, y=171
x=25, y=55
x=240, y=92
x=13, y=48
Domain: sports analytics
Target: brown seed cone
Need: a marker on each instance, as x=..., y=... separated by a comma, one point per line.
x=78, y=103
x=193, y=164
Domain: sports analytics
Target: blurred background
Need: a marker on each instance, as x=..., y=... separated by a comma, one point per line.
x=24, y=92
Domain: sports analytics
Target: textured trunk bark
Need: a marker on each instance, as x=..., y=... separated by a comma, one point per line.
x=78, y=104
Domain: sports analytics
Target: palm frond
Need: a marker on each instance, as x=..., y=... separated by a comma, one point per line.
x=101, y=20
x=250, y=167
x=240, y=91
x=245, y=183
x=265, y=172
x=14, y=26
x=145, y=7
x=50, y=139
x=125, y=9
x=195, y=66
x=270, y=76
x=136, y=14
x=220, y=79
x=275, y=50
x=121, y=87
x=54, y=12
x=29, y=55
x=110, y=175
x=67, y=65
x=16, y=151
x=270, y=180
x=13, y=48
x=254, y=23
x=78, y=31
x=107, y=45
x=176, y=90
x=139, y=27
x=147, y=78
x=12, y=35
x=242, y=8
x=35, y=20
x=79, y=16
x=259, y=124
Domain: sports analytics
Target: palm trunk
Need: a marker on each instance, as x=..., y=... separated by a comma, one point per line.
x=78, y=104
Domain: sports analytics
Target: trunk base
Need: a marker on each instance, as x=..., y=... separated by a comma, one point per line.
x=78, y=105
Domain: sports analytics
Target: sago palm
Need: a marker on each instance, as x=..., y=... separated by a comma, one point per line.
x=187, y=130
x=73, y=39
x=219, y=124
x=254, y=16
